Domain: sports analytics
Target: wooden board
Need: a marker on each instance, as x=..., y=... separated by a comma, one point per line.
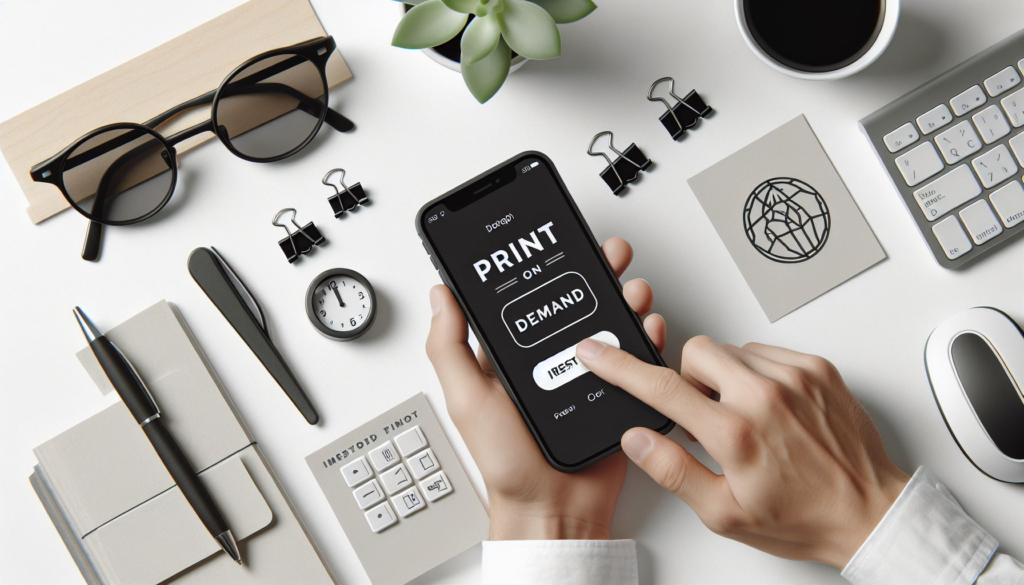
x=176, y=71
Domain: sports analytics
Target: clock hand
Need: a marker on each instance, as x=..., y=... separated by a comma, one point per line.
x=334, y=287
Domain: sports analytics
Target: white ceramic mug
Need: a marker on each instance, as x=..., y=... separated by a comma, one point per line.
x=890, y=17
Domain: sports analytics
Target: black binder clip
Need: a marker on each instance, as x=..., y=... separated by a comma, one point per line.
x=300, y=242
x=685, y=114
x=625, y=168
x=345, y=198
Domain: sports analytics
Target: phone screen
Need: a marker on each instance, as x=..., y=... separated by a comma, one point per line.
x=535, y=285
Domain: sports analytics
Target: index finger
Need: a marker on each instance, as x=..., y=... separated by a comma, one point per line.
x=658, y=387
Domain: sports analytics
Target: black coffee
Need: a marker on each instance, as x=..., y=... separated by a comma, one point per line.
x=814, y=35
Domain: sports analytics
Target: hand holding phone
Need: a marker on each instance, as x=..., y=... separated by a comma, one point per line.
x=524, y=268
x=528, y=498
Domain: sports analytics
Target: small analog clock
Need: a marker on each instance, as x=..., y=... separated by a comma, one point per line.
x=341, y=304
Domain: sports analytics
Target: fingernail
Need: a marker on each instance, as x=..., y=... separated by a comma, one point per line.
x=590, y=349
x=435, y=301
x=636, y=444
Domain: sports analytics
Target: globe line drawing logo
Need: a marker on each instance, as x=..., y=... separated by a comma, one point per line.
x=786, y=220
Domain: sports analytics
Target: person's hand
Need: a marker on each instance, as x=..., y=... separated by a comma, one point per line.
x=529, y=499
x=805, y=473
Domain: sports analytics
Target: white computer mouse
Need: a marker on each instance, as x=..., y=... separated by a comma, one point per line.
x=975, y=363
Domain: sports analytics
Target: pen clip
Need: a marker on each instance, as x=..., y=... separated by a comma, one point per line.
x=141, y=382
x=243, y=291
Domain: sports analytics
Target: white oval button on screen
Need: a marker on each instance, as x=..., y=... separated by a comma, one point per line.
x=564, y=367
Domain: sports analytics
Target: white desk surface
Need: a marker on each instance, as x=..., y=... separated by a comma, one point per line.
x=419, y=132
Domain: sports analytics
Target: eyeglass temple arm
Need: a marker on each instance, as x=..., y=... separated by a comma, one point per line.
x=94, y=234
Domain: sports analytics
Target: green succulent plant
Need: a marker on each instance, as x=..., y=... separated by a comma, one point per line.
x=497, y=28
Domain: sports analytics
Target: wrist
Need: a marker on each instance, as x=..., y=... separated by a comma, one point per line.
x=526, y=522
x=885, y=495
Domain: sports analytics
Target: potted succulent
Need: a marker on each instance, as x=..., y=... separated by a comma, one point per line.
x=485, y=39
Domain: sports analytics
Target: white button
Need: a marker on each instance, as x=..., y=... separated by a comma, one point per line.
x=1002, y=81
x=423, y=464
x=436, y=486
x=934, y=119
x=408, y=502
x=381, y=517
x=1009, y=204
x=1014, y=106
x=991, y=123
x=396, y=478
x=411, y=441
x=901, y=137
x=995, y=166
x=1017, y=144
x=919, y=164
x=1020, y=65
x=356, y=472
x=947, y=192
x=958, y=142
x=968, y=100
x=952, y=238
x=368, y=494
x=980, y=222
x=564, y=367
x=384, y=456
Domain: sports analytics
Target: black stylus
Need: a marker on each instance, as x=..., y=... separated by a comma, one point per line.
x=137, y=397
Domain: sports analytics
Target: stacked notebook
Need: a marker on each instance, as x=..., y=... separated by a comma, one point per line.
x=118, y=510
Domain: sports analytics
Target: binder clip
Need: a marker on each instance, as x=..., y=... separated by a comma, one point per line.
x=625, y=168
x=684, y=114
x=346, y=198
x=300, y=242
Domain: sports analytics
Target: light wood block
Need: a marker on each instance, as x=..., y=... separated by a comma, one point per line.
x=176, y=71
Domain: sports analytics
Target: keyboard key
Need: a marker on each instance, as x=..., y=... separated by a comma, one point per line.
x=384, y=456
x=1009, y=204
x=368, y=494
x=958, y=142
x=934, y=119
x=1017, y=144
x=965, y=102
x=919, y=164
x=356, y=472
x=1002, y=81
x=1014, y=106
x=396, y=478
x=901, y=137
x=411, y=441
x=995, y=166
x=980, y=222
x=408, y=502
x=952, y=238
x=436, y=486
x=1020, y=65
x=423, y=464
x=947, y=192
x=381, y=517
x=991, y=124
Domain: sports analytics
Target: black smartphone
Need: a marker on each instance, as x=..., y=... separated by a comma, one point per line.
x=533, y=283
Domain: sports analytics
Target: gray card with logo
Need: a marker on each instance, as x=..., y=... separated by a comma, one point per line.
x=786, y=218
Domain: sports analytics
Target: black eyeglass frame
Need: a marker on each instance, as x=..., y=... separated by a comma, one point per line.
x=317, y=51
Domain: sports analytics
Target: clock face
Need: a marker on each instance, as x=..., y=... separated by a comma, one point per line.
x=342, y=304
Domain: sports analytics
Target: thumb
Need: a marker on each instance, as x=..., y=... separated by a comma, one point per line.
x=673, y=468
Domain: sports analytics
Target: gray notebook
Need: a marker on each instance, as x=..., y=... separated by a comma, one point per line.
x=118, y=510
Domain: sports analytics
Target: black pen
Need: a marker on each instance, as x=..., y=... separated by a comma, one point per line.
x=137, y=397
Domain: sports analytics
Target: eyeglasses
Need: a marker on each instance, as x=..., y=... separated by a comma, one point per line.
x=267, y=109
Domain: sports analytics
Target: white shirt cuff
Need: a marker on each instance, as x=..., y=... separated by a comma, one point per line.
x=925, y=537
x=561, y=562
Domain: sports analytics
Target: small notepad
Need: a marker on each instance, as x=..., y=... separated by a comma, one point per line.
x=787, y=218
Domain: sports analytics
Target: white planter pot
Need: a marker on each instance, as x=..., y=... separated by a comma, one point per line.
x=517, y=61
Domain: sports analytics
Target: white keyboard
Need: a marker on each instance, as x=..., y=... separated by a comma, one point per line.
x=954, y=149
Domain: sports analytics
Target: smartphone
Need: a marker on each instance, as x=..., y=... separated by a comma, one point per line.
x=533, y=283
